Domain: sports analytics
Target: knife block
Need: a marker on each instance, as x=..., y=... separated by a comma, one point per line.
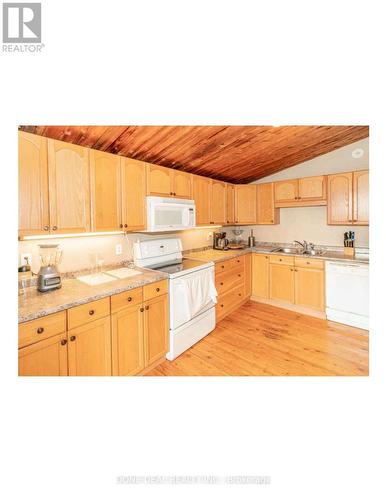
x=349, y=251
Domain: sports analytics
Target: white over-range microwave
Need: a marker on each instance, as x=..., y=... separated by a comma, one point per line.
x=169, y=214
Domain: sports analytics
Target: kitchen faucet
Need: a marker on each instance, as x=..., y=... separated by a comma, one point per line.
x=307, y=247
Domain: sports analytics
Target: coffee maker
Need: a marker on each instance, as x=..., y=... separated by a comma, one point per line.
x=220, y=242
x=48, y=276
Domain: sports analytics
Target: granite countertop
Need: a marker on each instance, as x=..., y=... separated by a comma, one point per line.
x=221, y=255
x=34, y=304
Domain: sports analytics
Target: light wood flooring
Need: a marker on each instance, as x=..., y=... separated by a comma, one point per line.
x=260, y=339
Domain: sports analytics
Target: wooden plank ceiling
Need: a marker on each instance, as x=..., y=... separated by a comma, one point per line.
x=238, y=154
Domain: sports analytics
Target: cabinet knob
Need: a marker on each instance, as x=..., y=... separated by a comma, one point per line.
x=221, y=283
x=222, y=267
x=54, y=228
x=295, y=270
x=291, y=270
x=63, y=342
x=147, y=308
x=40, y=330
x=266, y=256
x=142, y=309
x=91, y=312
x=239, y=275
x=46, y=228
x=222, y=305
x=72, y=338
x=271, y=221
x=171, y=192
x=239, y=294
x=129, y=299
x=125, y=225
x=175, y=194
x=355, y=220
x=280, y=260
x=120, y=225
x=158, y=289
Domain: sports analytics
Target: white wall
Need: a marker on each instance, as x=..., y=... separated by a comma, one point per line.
x=310, y=223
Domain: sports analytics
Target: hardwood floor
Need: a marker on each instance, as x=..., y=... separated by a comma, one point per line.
x=260, y=339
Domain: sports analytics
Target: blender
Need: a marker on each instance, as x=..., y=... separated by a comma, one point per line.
x=48, y=276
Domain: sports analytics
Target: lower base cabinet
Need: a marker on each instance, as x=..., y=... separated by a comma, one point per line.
x=156, y=329
x=309, y=288
x=45, y=358
x=281, y=282
x=89, y=349
x=260, y=275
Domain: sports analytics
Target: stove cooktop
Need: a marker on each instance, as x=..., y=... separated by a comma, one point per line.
x=185, y=265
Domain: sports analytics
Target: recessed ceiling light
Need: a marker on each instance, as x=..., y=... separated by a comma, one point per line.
x=357, y=153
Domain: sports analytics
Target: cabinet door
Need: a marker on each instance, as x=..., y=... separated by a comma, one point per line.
x=245, y=204
x=260, y=276
x=248, y=275
x=133, y=181
x=266, y=211
x=286, y=191
x=339, y=199
x=159, y=180
x=309, y=288
x=33, y=185
x=45, y=358
x=105, y=191
x=361, y=198
x=182, y=184
x=69, y=187
x=313, y=188
x=230, y=204
x=281, y=282
x=156, y=330
x=218, y=202
x=202, y=198
x=89, y=348
x=127, y=340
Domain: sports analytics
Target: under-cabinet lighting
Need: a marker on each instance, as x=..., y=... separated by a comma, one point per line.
x=69, y=235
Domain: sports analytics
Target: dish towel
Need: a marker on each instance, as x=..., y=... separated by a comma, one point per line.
x=199, y=291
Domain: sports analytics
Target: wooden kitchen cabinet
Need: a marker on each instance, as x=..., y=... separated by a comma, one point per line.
x=156, y=329
x=230, y=212
x=105, y=191
x=44, y=358
x=309, y=288
x=266, y=211
x=163, y=181
x=245, y=204
x=89, y=349
x=286, y=191
x=312, y=189
x=33, y=185
x=304, y=192
x=69, y=187
x=128, y=340
x=182, y=184
x=361, y=198
x=247, y=275
x=281, y=282
x=133, y=191
x=218, y=202
x=260, y=275
x=339, y=199
x=202, y=197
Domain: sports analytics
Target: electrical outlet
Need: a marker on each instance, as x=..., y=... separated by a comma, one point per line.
x=118, y=249
x=210, y=235
x=25, y=258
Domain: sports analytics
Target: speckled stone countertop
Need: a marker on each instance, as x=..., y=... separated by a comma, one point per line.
x=34, y=304
x=221, y=255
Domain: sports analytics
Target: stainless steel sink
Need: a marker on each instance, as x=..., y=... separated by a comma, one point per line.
x=297, y=251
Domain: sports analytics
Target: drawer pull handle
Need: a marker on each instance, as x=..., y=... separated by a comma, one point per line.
x=63, y=342
x=147, y=308
x=158, y=289
x=280, y=260
x=129, y=299
x=91, y=312
x=72, y=338
x=40, y=329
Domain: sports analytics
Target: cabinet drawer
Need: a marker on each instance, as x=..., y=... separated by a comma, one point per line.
x=229, y=279
x=281, y=259
x=42, y=328
x=226, y=265
x=155, y=289
x=227, y=302
x=309, y=263
x=80, y=315
x=126, y=299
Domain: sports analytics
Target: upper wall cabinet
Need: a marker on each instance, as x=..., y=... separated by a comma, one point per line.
x=348, y=198
x=245, y=204
x=308, y=191
x=105, y=191
x=33, y=185
x=133, y=181
x=202, y=197
x=266, y=211
x=162, y=181
x=218, y=202
x=230, y=219
x=69, y=187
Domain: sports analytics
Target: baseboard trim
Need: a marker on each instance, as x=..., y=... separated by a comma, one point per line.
x=291, y=307
x=153, y=365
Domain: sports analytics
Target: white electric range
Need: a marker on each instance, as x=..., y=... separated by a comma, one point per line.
x=186, y=327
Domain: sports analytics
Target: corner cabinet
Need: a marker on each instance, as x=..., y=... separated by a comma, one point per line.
x=245, y=204
x=230, y=212
x=34, y=216
x=69, y=187
x=266, y=211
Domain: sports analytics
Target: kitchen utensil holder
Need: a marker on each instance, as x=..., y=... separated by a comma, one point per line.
x=349, y=251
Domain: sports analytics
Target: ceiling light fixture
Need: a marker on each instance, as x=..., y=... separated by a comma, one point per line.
x=357, y=153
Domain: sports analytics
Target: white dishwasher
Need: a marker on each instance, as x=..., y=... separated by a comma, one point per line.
x=347, y=293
